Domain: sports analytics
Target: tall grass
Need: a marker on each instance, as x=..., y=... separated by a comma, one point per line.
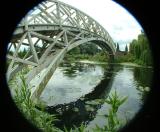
x=39, y=118
x=113, y=123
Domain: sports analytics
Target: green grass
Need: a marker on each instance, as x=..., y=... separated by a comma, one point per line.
x=39, y=118
x=113, y=123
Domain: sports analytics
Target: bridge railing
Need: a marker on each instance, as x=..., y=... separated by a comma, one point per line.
x=58, y=13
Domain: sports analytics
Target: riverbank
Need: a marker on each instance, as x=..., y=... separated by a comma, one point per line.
x=91, y=62
x=133, y=64
x=122, y=63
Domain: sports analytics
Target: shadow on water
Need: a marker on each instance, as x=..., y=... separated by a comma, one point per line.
x=130, y=81
x=144, y=78
x=141, y=79
x=84, y=109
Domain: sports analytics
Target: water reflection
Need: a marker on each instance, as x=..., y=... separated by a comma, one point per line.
x=64, y=88
x=85, y=108
x=75, y=89
x=144, y=81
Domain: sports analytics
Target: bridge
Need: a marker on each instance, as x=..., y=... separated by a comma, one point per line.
x=49, y=31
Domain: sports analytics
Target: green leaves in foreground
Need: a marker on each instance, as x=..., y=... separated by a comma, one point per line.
x=115, y=101
x=113, y=123
x=76, y=129
x=40, y=118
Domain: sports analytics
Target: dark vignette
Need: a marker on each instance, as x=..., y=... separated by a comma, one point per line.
x=145, y=11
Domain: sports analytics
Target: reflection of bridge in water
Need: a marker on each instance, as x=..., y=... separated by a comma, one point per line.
x=48, y=32
x=86, y=108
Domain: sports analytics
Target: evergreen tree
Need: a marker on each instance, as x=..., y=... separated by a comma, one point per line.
x=117, y=47
x=126, y=49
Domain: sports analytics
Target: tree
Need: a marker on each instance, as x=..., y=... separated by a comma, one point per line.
x=117, y=47
x=140, y=49
x=126, y=49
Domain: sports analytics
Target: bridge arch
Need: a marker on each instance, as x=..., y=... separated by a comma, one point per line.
x=97, y=41
x=49, y=31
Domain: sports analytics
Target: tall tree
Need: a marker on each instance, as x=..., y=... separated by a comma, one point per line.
x=126, y=49
x=140, y=49
x=117, y=47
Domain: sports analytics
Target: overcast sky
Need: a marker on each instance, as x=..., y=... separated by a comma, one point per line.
x=120, y=24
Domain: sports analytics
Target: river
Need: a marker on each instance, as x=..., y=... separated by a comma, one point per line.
x=74, y=88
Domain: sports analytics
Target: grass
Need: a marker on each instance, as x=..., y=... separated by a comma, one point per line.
x=39, y=118
x=113, y=123
x=75, y=129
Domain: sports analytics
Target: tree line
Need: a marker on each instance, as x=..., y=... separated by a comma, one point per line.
x=86, y=51
x=140, y=49
x=138, y=52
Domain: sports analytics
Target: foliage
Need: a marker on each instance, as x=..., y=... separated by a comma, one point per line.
x=89, y=49
x=40, y=118
x=45, y=121
x=113, y=123
x=117, y=48
x=76, y=129
x=21, y=53
x=100, y=56
x=86, y=51
x=140, y=50
x=126, y=49
x=126, y=58
x=115, y=101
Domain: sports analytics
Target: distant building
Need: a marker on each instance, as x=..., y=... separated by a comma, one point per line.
x=120, y=53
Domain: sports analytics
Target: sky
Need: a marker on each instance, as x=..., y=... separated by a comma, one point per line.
x=119, y=23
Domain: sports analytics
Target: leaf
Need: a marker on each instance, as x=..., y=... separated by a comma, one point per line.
x=107, y=101
x=122, y=101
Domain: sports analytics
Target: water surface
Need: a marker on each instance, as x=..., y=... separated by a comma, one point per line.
x=74, y=88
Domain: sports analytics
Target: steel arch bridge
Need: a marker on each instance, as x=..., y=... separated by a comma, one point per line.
x=49, y=31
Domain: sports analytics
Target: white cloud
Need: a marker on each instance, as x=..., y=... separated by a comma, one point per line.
x=120, y=24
